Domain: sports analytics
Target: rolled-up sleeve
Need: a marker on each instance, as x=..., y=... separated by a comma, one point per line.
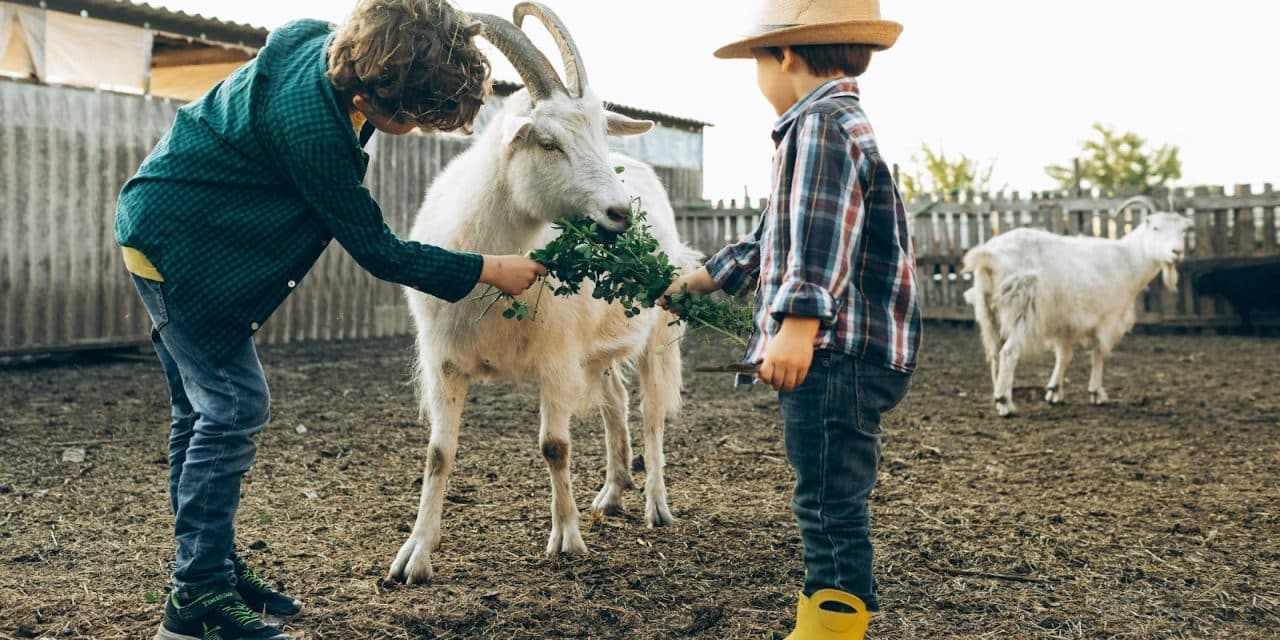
x=736, y=268
x=825, y=216
x=328, y=179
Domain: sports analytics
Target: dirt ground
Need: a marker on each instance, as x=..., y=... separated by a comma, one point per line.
x=1155, y=517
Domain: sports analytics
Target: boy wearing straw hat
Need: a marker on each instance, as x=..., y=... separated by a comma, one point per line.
x=836, y=307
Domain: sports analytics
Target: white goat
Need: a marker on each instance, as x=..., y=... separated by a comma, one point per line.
x=1033, y=288
x=545, y=157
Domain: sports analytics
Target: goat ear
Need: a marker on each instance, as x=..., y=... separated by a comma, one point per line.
x=620, y=125
x=516, y=128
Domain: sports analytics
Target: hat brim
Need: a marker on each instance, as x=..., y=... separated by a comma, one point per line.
x=880, y=34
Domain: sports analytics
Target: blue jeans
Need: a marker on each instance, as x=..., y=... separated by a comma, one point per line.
x=217, y=408
x=832, y=423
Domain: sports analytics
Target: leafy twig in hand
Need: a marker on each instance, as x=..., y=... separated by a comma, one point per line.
x=627, y=268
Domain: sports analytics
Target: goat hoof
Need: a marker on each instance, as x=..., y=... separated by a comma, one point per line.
x=608, y=502
x=658, y=515
x=1098, y=397
x=412, y=564
x=567, y=541
x=1053, y=396
x=1005, y=407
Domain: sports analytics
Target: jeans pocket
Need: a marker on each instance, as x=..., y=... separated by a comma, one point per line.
x=152, y=294
x=879, y=391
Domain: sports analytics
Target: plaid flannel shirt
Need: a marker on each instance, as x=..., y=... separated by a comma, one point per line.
x=242, y=195
x=833, y=243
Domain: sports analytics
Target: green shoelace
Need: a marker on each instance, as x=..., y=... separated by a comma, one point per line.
x=249, y=577
x=241, y=613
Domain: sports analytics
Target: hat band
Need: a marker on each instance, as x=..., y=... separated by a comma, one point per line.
x=767, y=28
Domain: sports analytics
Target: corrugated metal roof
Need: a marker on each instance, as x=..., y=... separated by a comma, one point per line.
x=159, y=19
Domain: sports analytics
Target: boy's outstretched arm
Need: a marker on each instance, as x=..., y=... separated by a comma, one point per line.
x=734, y=270
x=325, y=175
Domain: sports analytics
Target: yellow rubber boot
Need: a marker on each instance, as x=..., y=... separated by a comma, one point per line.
x=815, y=623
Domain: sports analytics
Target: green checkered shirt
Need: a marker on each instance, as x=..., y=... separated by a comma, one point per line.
x=243, y=194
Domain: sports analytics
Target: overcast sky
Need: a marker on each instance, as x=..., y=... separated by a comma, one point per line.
x=1013, y=82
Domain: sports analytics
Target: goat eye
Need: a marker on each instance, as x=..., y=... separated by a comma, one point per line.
x=548, y=145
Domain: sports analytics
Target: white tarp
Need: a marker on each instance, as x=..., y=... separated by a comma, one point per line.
x=95, y=53
x=15, y=56
x=31, y=23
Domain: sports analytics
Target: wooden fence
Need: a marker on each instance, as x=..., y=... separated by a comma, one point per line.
x=65, y=153
x=1232, y=227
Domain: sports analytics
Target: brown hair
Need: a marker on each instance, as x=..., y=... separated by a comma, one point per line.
x=416, y=60
x=830, y=59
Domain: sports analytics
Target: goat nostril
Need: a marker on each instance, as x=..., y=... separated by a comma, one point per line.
x=619, y=215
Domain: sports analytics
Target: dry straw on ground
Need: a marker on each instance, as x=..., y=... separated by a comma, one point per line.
x=1156, y=517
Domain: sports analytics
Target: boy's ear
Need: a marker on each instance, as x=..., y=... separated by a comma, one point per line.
x=790, y=60
x=620, y=125
x=515, y=128
x=361, y=102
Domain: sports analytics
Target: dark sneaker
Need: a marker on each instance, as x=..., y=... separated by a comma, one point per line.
x=214, y=616
x=259, y=595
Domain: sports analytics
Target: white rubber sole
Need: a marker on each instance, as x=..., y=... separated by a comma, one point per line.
x=165, y=634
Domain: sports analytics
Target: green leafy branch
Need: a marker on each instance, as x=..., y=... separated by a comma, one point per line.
x=627, y=268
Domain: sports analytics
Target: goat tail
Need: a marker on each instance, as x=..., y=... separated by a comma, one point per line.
x=661, y=379
x=978, y=261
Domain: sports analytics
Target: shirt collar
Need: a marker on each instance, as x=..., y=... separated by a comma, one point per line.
x=846, y=86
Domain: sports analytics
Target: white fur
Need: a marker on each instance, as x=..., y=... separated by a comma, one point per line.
x=1037, y=289
x=501, y=197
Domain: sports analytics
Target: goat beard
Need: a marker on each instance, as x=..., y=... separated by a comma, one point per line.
x=1169, y=272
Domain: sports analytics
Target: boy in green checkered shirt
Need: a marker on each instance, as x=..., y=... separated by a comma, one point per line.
x=231, y=210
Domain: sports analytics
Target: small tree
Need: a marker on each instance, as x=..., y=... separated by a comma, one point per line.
x=935, y=173
x=1120, y=161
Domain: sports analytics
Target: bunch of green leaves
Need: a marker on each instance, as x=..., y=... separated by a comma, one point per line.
x=722, y=316
x=627, y=268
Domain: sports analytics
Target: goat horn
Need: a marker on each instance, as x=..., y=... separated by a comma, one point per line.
x=1146, y=201
x=534, y=68
x=574, y=70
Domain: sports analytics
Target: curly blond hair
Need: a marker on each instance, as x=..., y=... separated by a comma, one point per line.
x=415, y=60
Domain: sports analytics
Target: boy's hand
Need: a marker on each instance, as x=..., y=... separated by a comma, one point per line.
x=511, y=275
x=789, y=354
x=699, y=282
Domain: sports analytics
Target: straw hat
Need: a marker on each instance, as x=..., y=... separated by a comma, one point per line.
x=785, y=23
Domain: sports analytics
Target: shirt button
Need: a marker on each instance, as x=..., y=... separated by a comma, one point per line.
x=253, y=327
x=292, y=284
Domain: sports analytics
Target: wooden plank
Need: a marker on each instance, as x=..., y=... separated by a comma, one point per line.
x=944, y=285
x=11, y=255
x=1244, y=235
x=1269, y=227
